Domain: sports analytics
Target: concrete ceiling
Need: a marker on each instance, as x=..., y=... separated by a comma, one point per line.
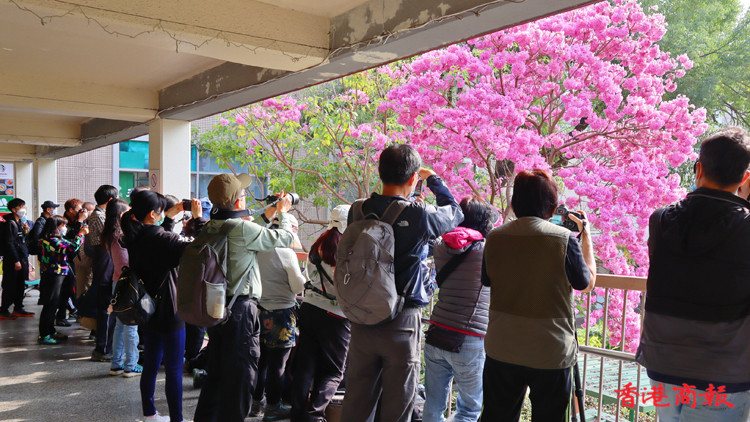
x=80, y=74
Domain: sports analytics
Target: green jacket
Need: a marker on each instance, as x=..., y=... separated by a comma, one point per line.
x=243, y=241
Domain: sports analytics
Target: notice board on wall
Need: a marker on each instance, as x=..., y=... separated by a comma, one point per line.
x=7, y=186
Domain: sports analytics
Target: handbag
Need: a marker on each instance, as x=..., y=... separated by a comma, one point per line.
x=131, y=302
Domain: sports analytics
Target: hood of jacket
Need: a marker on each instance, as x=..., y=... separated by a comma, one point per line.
x=461, y=237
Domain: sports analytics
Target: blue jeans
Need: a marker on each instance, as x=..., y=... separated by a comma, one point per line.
x=171, y=346
x=125, y=346
x=466, y=368
x=685, y=413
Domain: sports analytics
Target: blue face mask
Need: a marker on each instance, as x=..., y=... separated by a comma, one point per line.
x=161, y=220
x=693, y=187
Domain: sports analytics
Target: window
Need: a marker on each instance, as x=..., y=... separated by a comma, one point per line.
x=134, y=170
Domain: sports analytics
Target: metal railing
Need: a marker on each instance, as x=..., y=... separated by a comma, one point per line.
x=622, y=359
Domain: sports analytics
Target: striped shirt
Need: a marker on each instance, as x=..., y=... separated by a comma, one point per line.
x=55, y=251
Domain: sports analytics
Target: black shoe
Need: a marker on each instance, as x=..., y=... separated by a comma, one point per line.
x=23, y=313
x=98, y=356
x=62, y=323
x=59, y=336
x=256, y=408
x=7, y=315
x=276, y=412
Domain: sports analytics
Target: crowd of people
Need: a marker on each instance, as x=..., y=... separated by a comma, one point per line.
x=503, y=323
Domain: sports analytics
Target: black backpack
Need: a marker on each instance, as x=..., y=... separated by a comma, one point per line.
x=32, y=240
x=131, y=303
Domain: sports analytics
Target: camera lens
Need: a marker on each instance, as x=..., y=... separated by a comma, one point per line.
x=294, y=198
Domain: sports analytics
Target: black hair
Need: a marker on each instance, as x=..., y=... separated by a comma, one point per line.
x=51, y=225
x=141, y=204
x=105, y=193
x=398, y=163
x=145, y=201
x=478, y=214
x=534, y=194
x=15, y=203
x=171, y=201
x=112, y=224
x=725, y=156
x=138, y=189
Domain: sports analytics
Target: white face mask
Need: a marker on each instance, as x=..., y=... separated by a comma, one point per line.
x=63, y=231
x=21, y=212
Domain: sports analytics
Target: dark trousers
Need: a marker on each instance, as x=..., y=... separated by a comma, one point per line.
x=14, y=282
x=505, y=386
x=233, y=353
x=49, y=293
x=194, y=336
x=67, y=292
x=171, y=347
x=105, y=323
x=384, y=363
x=271, y=368
x=319, y=361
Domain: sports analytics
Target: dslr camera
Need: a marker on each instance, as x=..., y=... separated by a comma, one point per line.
x=561, y=218
x=272, y=199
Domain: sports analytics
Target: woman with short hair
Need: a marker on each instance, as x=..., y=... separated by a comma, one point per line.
x=532, y=267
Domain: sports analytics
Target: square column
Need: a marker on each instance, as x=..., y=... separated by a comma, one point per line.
x=45, y=181
x=169, y=157
x=25, y=185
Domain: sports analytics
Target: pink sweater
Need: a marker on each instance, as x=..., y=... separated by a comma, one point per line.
x=119, y=257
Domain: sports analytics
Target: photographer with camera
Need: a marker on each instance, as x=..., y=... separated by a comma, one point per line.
x=532, y=266
x=234, y=348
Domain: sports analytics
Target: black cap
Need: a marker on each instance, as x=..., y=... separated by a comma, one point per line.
x=49, y=204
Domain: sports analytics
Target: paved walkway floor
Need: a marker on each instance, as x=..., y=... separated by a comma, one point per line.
x=60, y=383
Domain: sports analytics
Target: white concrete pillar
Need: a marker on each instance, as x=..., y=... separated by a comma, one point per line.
x=45, y=181
x=25, y=185
x=169, y=157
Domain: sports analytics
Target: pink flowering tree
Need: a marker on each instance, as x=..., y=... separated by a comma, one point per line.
x=579, y=94
x=322, y=142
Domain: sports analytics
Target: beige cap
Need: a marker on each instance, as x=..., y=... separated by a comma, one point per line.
x=338, y=217
x=224, y=189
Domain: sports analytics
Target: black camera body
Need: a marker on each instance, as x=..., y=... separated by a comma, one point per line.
x=564, y=221
x=272, y=199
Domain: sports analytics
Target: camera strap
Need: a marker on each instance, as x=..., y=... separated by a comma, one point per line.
x=219, y=214
x=454, y=262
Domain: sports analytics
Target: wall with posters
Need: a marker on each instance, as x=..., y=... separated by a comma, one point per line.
x=7, y=186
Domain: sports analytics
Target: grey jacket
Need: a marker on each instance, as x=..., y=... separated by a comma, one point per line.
x=463, y=302
x=281, y=278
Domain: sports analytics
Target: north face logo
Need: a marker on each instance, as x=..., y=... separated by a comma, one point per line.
x=403, y=223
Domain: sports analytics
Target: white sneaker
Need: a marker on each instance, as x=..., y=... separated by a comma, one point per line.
x=156, y=418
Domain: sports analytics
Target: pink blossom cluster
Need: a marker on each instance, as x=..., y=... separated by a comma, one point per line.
x=580, y=94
